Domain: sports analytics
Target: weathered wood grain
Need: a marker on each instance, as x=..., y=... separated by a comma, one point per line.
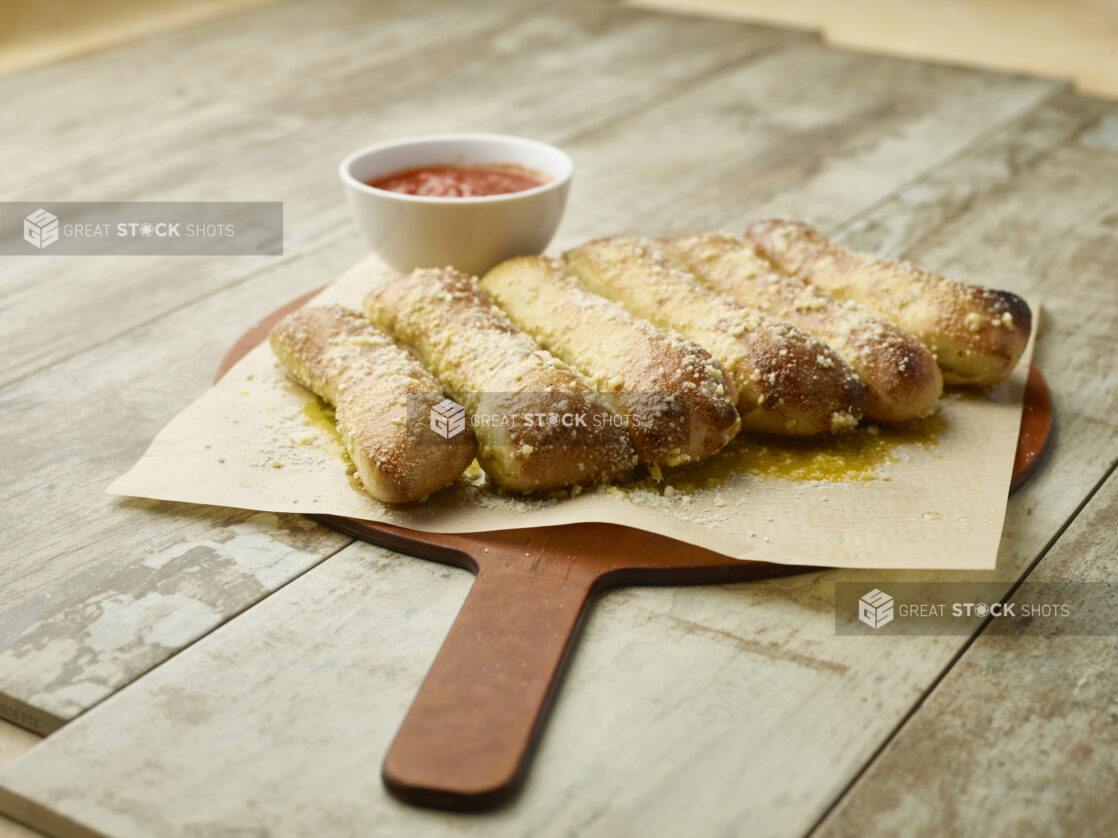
x=552, y=74
x=122, y=99
x=89, y=578
x=85, y=562
x=732, y=709
x=806, y=132
x=1020, y=737
x=348, y=631
x=737, y=707
x=988, y=167
x=131, y=385
x=990, y=750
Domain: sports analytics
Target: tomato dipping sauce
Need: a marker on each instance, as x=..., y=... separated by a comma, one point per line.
x=446, y=181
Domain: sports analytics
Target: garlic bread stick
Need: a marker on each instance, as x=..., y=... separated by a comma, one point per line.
x=335, y=353
x=898, y=372
x=539, y=424
x=787, y=382
x=976, y=334
x=678, y=401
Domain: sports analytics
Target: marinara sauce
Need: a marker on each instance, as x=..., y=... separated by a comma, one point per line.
x=446, y=181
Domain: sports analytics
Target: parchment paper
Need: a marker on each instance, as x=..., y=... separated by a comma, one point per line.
x=257, y=440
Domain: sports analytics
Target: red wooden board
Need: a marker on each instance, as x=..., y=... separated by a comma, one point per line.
x=467, y=737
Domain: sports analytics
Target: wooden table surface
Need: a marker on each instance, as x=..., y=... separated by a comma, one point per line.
x=221, y=672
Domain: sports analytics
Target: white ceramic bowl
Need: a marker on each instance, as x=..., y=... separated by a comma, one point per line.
x=472, y=234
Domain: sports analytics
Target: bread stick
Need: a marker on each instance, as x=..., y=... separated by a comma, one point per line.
x=787, y=381
x=899, y=374
x=678, y=401
x=976, y=334
x=336, y=354
x=526, y=404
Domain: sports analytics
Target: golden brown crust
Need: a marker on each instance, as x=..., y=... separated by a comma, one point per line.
x=976, y=334
x=679, y=401
x=788, y=382
x=372, y=382
x=900, y=376
x=510, y=386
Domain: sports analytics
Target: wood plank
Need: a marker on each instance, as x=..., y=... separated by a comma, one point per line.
x=988, y=168
x=84, y=566
x=101, y=589
x=144, y=375
x=808, y=132
x=554, y=74
x=994, y=747
x=682, y=681
x=737, y=707
x=125, y=98
x=696, y=610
